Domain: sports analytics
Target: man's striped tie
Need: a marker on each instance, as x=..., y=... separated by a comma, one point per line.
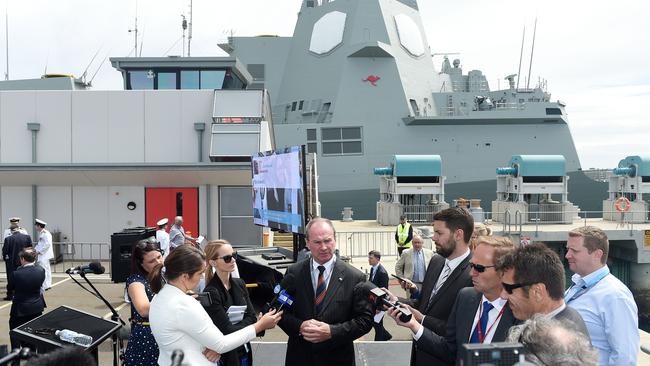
x=321, y=288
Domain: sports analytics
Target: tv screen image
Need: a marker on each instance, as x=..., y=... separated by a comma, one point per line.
x=278, y=189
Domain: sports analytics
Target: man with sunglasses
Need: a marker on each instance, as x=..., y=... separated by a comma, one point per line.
x=490, y=317
x=533, y=283
x=604, y=302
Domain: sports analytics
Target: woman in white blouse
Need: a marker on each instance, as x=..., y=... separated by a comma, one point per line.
x=179, y=322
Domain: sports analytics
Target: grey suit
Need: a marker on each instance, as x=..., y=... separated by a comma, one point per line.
x=404, y=265
x=345, y=308
x=459, y=328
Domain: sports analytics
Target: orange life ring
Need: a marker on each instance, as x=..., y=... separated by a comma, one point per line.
x=622, y=204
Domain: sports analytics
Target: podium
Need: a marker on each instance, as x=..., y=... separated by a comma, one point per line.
x=65, y=317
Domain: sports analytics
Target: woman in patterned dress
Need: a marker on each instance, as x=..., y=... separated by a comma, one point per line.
x=142, y=348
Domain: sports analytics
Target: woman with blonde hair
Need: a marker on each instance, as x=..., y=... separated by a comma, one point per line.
x=226, y=291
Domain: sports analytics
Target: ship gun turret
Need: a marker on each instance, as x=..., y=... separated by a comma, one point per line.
x=413, y=185
x=627, y=184
x=533, y=188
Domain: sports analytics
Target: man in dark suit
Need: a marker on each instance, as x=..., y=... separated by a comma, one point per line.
x=379, y=277
x=479, y=314
x=330, y=309
x=13, y=245
x=533, y=283
x=447, y=274
x=28, y=302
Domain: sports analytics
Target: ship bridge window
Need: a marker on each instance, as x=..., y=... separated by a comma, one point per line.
x=311, y=141
x=342, y=141
x=553, y=111
x=141, y=80
x=190, y=79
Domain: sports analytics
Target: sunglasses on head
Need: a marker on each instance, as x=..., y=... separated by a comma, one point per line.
x=228, y=258
x=479, y=267
x=510, y=287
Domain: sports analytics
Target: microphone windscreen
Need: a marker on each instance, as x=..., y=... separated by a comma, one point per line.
x=96, y=267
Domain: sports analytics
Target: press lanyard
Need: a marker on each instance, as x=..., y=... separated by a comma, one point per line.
x=481, y=336
x=584, y=289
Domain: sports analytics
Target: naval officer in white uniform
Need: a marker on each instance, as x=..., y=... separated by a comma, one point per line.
x=162, y=236
x=45, y=252
x=14, y=222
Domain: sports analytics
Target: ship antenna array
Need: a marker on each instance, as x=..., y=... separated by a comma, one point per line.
x=189, y=33
x=135, y=30
x=521, y=55
x=531, y=55
x=7, y=38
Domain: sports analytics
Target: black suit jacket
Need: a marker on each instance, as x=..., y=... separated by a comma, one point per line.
x=574, y=319
x=13, y=244
x=27, y=296
x=345, y=308
x=459, y=328
x=437, y=310
x=222, y=299
x=381, y=277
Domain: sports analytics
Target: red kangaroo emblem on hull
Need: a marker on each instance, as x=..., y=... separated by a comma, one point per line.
x=372, y=79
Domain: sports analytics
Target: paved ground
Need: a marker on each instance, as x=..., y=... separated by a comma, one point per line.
x=66, y=292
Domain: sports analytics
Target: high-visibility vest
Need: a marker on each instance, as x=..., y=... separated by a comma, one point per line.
x=403, y=234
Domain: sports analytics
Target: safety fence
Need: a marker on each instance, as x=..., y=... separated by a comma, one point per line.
x=68, y=255
x=358, y=244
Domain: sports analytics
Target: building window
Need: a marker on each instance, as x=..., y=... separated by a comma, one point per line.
x=212, y=79
x=293, y=106
x=554, y=111
x=139, y=80
x=300, y=105
x=166, y=80
x=342, y=141
x=189, y=79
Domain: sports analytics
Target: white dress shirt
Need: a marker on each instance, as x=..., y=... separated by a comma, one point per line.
x=329, y=266
x=452, y=264
x=178, y=321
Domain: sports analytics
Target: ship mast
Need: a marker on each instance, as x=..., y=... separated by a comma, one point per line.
x=7, y=39
x=135, y=30
x=189, y=34
x=531, y=55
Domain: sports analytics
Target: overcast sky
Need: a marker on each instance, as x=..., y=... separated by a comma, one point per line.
x=593, y=54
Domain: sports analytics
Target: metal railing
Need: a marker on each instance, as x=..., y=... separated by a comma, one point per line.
x=420, y=213
x=358, y=244
x=68, y=255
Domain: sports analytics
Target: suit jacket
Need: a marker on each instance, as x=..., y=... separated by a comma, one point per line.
x=28, y=299
x=345, y=308
x=574, y=319
x=222, y=299
x=459, y=328
x=437, y=310
x=13, y=244
x=404, y=267
x=381, y=277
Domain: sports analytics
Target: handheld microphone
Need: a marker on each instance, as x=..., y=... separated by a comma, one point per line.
x=379, y=299
x=283, y=294
x=92, y=267
x=177, y=357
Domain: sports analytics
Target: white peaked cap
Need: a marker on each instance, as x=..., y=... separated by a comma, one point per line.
x=162, y=221
x=39, y=221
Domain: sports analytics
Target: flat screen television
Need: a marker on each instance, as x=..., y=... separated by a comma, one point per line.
x=279, y=189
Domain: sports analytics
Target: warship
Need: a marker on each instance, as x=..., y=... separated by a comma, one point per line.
x=357, y=84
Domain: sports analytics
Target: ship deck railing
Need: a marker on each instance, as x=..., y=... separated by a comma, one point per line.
x=72, y=254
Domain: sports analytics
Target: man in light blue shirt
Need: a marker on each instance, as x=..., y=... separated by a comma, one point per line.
x=605, y=303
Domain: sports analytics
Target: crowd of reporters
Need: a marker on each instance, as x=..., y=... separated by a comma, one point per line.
x=474, y=289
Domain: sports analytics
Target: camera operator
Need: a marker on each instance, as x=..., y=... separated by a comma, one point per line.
x=226, y=291
x=178, y=321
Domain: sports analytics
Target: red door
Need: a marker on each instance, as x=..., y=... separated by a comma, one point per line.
x=172, y=202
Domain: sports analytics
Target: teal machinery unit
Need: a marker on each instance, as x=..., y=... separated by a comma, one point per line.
x=627, y=185
x=533, y=188
x=413, y=185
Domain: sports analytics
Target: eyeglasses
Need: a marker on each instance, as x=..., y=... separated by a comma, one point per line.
x=479, y=267
x=509, y=287
x=228, y=258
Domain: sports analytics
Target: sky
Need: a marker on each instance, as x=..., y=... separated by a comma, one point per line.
x=593, y=54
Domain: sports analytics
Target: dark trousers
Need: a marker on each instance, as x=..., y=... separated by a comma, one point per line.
x=16, y=321
x=10, y=277
x=400, y=250
x=381, y=334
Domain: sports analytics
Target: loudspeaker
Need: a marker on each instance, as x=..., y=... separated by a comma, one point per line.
x=39, y=332
x=121, y=249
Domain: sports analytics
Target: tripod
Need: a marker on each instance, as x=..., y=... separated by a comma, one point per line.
x=117, y=346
